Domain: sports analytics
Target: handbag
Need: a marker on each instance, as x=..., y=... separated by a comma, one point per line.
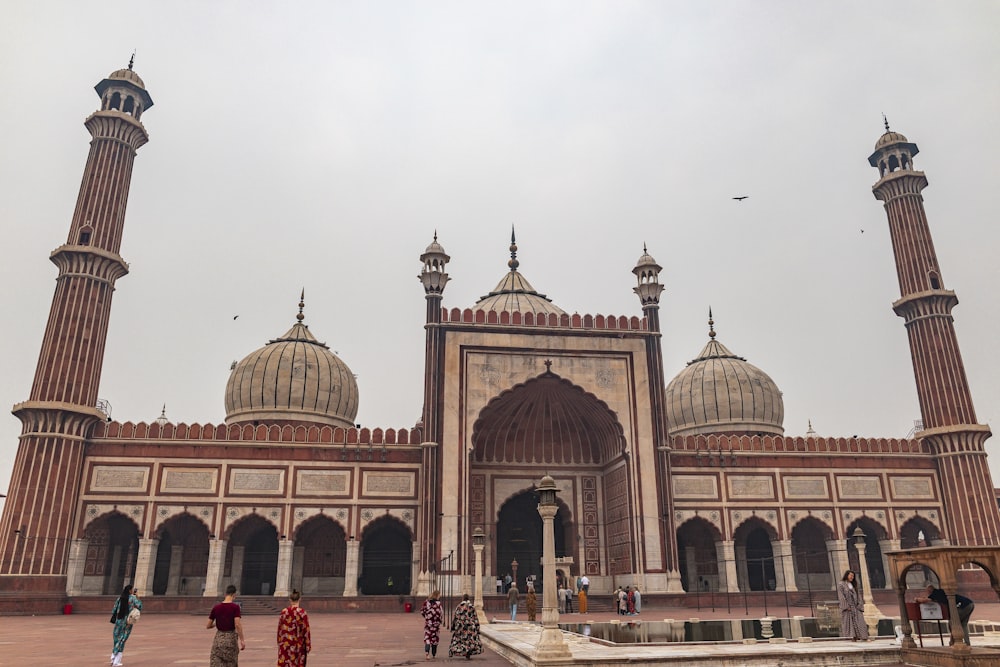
x=133, y=616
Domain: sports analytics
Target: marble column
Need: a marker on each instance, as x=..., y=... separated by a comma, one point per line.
x=784, y=565
x=726, y=553
x=414, y=567
x=216, y=565
x=298, y=567
x=839, y=564
x=283, y=578
x=742, y=574
x=75, y=567
x=176, y=561
x=145, y=565
x=351, y=569
x=112, y=574
x=691, y=562
x=888, y=545
x=236, y=568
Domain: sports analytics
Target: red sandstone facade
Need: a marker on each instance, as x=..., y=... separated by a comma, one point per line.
x=687, y=485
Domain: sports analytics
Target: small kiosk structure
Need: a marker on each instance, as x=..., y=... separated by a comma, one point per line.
x=945, y=562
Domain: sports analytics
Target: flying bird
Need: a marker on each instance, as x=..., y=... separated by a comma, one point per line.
x=741, y=198
x=235, y=316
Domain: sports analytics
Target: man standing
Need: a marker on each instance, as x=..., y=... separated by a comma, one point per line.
x=962, y=603
x=512, y=594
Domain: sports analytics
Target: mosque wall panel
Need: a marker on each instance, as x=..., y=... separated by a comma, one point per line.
x=912, y=488
x=256, y=481
x=119, y=479
x=388, y=484
x=801, y=487
x=189, y=480
x=750, y=487
x=696, y=487
x=325, y=482
x=859, y=487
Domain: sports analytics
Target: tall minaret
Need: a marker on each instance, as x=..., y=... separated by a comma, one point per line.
x=970, y=508
x=433, y=276
x=648, y=289
x=37, y=523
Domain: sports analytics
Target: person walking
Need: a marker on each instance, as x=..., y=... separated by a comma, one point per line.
x=623, y=601
x=433, y=614
x=569, y=600
x=583, y=601
x=228, y=641
x=531, y=603
x=465, y=631
x=294, y=641
x=962, y=603
x=852, y=620
x=121, y=616
x=512, y=594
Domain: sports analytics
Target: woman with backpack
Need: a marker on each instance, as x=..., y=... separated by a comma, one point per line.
x=124, y=615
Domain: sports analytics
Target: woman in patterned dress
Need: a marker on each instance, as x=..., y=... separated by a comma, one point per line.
x=125, y=603
x=852, y=620
x=465, y=631
x=294, y=641
x=433, y=616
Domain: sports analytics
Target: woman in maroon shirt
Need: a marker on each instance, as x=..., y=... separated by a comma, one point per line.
x=225, y=618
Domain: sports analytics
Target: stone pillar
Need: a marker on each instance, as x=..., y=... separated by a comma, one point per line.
x=839, y=564
x=414, y=567
x=742, y=575
x=216, y=565
x=283, y=578
x=298, y=567
x=726, y=553
x=176, y=560
x=145, y=566
x=236, y=568
x=784, y=566
x=112, y=575
x=77, y=561
x=351, y=569
x=888, y=545
x=691, y=562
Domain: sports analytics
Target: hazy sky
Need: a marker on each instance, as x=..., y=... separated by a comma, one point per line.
x=320, y=144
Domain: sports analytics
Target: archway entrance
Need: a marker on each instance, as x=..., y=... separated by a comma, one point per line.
x=112, y=545
x=181, y=557
x=874, y=534
x=699, y=560
x=253, y=556
x=386, y=558
x=756, y=566
x=519, y=537
x=324, y=556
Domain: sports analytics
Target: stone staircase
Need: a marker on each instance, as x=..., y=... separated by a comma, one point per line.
x=260, y=605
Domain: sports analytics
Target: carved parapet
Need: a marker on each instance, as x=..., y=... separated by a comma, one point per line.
x=713, y=444
x=550, y=320
x=274, y=433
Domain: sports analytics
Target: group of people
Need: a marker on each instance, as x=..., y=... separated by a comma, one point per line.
x=294, y=640
x=465, y=639
x=628, y=600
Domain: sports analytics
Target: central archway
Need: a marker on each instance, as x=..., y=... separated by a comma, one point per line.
x=519, y=537
x=386, y=557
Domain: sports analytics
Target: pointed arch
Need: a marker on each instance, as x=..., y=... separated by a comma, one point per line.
x=386, y=557
x=698, y=541
x=547, y=419
x=112, y=545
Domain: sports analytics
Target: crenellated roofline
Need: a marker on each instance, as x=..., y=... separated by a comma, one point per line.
x=211, y=433
x=714, y=444
x=529, y=319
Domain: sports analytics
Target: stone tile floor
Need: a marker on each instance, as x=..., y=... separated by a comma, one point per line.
x=339, y=639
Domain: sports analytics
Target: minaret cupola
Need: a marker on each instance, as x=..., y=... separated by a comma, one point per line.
x=124, y=91
x=434, y=275
x=647, y=273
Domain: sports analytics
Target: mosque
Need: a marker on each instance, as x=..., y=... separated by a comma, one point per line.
x=678, y=484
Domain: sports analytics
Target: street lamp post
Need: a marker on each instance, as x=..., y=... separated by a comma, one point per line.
x=871, y=612
x=478, y=540
x=551, y=645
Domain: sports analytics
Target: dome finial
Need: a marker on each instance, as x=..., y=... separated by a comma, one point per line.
x=513, y=263
x=435, y=236
x=886, y=121
x=131, y=61
x=711, y=324
x=302, y=304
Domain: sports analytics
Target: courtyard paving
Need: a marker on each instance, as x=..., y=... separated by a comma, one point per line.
x=339, y=639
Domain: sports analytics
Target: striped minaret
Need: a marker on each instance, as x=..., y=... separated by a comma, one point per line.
x=970, y=507
x=36, y=527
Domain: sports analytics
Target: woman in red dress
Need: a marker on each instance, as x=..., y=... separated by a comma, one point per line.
x=294, y=642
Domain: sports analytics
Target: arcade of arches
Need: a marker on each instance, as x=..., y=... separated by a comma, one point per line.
x=814, y=559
